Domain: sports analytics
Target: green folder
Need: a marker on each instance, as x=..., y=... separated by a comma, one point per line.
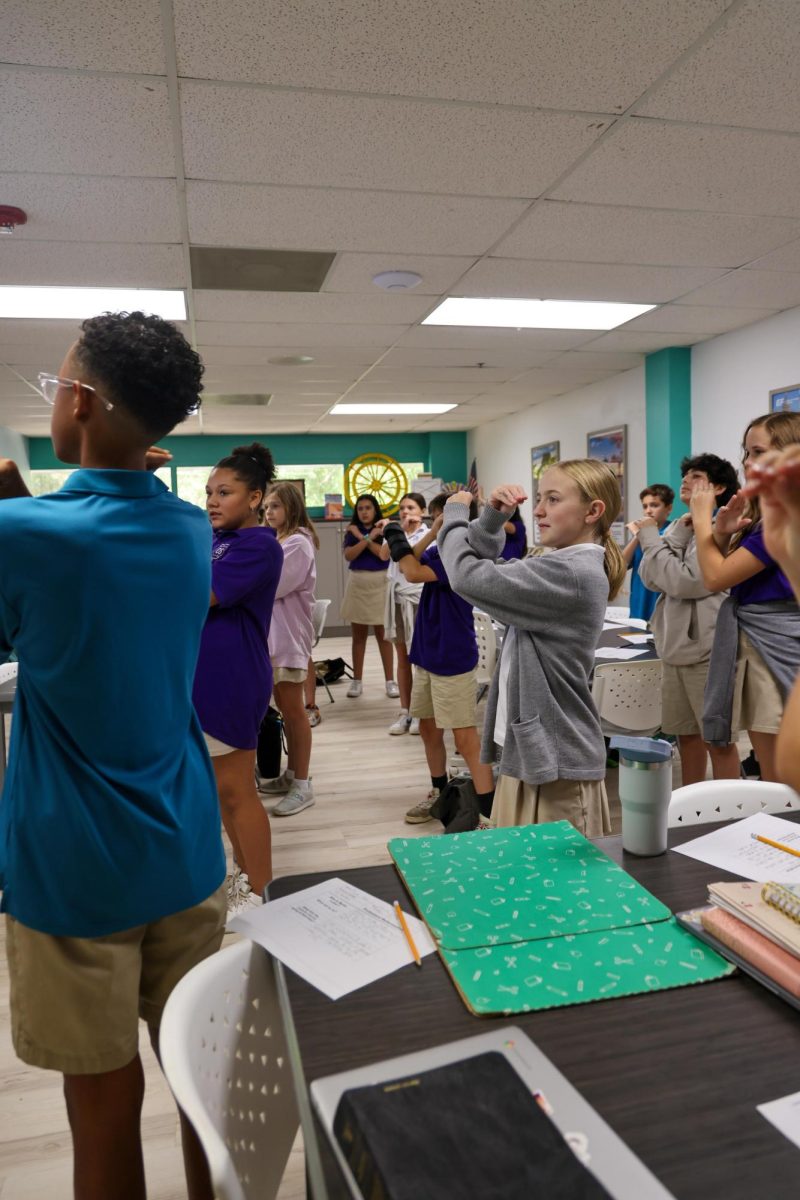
x=535, y=916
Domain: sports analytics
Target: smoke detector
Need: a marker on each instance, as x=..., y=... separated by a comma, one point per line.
x=396, y=281
x=10, y=217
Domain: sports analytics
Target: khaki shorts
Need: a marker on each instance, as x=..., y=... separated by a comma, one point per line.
x=583, y=802
x=289, y=674
x=76, y=1002
x=757, y=703
x=216, y=748
x=449, y=699
x=682, y=691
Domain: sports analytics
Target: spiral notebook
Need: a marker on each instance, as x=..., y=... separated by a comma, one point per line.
x=747, y=902
x=785, y=897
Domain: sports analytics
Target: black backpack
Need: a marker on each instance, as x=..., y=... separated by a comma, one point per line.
x=270, y=745
x=331, y=670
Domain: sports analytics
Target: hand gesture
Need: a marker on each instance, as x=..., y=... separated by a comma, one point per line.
x=12, y=485
x=379, y=526
x=354, y=531
x=731, y=518
x=702, y=503
x=462, y=497
x=156, y=457
x=507, y=497
x=775, y=478
x=437, y=523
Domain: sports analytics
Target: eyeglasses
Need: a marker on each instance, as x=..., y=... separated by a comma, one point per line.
x=49, y=385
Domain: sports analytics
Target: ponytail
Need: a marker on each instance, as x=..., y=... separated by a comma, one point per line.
x=595, y=480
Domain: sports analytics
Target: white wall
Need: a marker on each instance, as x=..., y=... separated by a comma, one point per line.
x=503, y=447
x=732, y=377
x=14, y=445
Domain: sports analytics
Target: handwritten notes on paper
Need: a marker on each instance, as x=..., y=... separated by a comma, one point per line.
x=334, y=935
x=734, y=849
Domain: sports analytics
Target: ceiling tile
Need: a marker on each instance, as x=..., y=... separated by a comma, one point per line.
x=696, y=319
x=324, y=356
x=84, y=264
x=471, y=376
x=751, y=289
x=483, y=341
x=619, y=234
x=354, y=272
x=787, y=258
x=461, y=49
x=309, y=138
x=232, y=333
x=68, y=208
x=582, y=281
x=608, y=361
x=227, y=214
x=638, y=341
x=515, y=358
x=95, y=125
x=657, y=165
x=383, y=308
x=759, y=49
x=85, y=34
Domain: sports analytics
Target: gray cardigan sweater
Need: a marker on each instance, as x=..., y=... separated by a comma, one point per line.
x=554, y=606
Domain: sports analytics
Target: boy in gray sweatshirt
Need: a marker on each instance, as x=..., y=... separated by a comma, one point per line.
x=684, y=620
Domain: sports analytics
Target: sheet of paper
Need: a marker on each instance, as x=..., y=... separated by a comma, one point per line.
x=637, y=639
x=8, y=671
x=734, y=849
x=334, y=935
x=617, y=653
x=617, y=615
x=784, y=1114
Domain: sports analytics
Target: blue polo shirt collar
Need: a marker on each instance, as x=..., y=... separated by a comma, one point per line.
x=132, y=484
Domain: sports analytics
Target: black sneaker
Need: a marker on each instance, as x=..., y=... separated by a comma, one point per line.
x=750, y=767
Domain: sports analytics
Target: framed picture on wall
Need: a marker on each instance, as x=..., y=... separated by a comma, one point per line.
x=542, y=457
x=785, y=399
x=609, y=445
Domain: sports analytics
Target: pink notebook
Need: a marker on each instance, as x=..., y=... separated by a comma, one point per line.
x=752, y=946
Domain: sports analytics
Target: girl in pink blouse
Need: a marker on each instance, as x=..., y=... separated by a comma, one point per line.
x=290, y=639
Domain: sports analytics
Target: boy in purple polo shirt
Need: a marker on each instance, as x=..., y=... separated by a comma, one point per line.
x=444, y=652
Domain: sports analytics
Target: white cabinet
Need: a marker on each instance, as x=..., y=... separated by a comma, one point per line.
x=331, y=571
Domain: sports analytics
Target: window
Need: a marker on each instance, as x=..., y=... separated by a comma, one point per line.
x=319, y=479
x=43, y=482
x=192, y=484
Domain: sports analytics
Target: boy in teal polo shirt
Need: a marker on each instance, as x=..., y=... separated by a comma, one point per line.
x=110, y=854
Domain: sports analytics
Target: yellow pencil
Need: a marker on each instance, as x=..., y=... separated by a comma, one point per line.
x=407, y=932
x=778, y=845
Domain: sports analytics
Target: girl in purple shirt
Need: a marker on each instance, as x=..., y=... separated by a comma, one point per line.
x=233, y=680
x=732, y=555
x=364, y=600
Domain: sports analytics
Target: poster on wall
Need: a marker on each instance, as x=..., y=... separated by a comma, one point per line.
x=542, y=457
x=609, y=446
x=785, y=399
x=300, y=484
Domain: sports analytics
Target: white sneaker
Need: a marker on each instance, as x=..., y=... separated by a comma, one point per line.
x=242, y=898
x=392, y=690
x=355, y=689
x=232, y=882
x=401, y=725
x=275, y=787
x=414, y=727
x=295, y=800
x=422, y=811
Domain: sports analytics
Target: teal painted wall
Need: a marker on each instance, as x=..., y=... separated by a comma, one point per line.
x=668, y=408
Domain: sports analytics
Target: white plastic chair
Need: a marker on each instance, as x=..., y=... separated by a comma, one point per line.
x=728, y=799
x=627, y=696
x=487, y=650
x=319, y=615
x=223, y=1050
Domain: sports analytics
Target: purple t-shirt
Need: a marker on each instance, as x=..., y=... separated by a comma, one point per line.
x=366, y=561
x=233, y=680
x=768, y=585
x=444, y=640
x=515, y=542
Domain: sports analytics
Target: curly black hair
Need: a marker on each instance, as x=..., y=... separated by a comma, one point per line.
x=144, y=364
x=253, y=464
x=720, y=473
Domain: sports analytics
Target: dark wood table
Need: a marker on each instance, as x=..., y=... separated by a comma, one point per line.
x=611, y=637
x=677, y=1074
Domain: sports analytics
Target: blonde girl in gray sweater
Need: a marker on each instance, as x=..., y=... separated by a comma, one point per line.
x=540, y=715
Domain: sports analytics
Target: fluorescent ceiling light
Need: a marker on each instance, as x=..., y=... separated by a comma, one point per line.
x=388, y=410
x=534, y=314
x=75, y=303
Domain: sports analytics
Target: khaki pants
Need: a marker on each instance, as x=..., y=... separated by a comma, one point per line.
x=582, y=802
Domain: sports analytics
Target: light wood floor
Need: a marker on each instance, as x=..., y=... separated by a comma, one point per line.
x=364, y=781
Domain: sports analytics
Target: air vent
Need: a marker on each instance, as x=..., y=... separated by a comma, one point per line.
x=226, y=269
x=239, y=400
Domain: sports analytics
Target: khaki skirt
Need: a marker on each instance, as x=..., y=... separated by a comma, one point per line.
x=364, y=600
x=583, y=802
